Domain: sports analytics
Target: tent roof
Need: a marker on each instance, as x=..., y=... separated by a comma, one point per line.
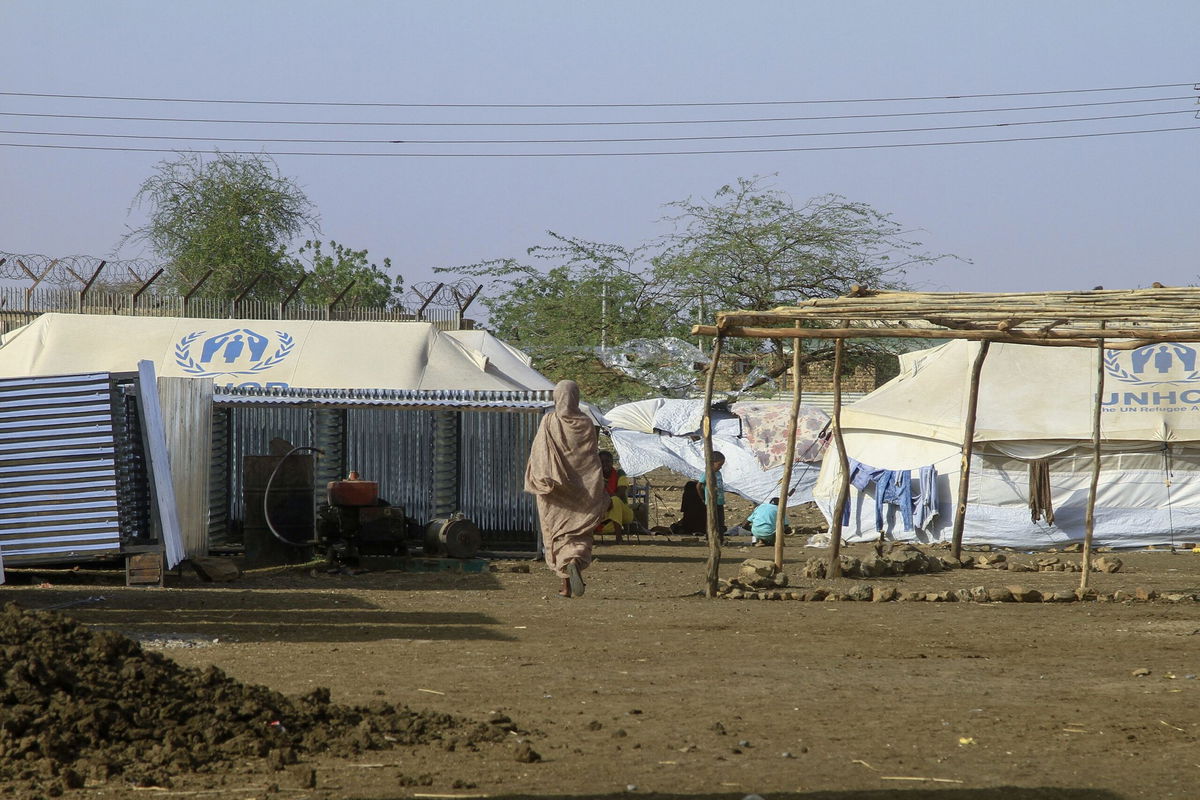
x=278, y=353
x=1037, y=393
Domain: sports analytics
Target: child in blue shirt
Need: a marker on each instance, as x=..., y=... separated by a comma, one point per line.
x=762, y=522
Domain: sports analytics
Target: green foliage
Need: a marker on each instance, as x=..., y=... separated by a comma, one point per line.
x=748, y=248
x=233, y=214
x=330, y=273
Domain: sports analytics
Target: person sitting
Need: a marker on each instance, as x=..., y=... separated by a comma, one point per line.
x=616, y=485
x=693, y=520
x=762, y=522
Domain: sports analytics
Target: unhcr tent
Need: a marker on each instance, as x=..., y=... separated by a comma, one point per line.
x=270, y=353
x=1034, y=417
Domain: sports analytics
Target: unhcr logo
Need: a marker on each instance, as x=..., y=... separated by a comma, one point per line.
x=1154, y=365
x=240, y=351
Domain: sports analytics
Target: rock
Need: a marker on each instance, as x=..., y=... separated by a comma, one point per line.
x=979, y=594
x=860, y=591
x=1017, y=566
x=912, y=596
x=851, y=567
x=1176, y=597
x=1022, y=594
x=999, y=594
x=1140, y=672
x=931, y=597
x=797, y=595
x=757, y=568
x=1085, y=594
x=736, y=594
x=212, y=568
x=1144, y=595
x=815, y=568
x=834, y=597
x=1109, y=564
x=818, y=594
x=1048, y=561
x=302, y=776
x=1121, y=596
x=883, y=594
x=1064, y=596
x=949, y=563
x=875, y=567
x=1074, y=547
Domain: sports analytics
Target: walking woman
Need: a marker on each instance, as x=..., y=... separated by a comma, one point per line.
x=564, y=476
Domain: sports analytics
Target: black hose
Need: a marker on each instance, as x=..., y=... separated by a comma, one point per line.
x=267, y=495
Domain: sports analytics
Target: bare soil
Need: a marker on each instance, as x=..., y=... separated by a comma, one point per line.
x=644, y=688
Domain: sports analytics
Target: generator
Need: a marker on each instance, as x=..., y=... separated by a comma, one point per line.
x=354, y=522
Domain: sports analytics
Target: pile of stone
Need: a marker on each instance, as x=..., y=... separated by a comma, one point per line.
x=79, y=707
x=900, y=559
x=736, y=589
x=1109, y=564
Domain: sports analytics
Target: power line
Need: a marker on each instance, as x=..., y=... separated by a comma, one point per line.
x=596, y=141
x=592, y=105
x=584, y=124
x=617, y=154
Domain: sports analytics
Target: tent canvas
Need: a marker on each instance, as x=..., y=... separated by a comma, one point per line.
x=1036, y=403
x=312, y=354
x=649, y=434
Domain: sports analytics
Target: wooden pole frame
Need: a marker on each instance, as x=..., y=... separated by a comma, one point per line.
x=839, y=508
x=968, y=448
x=789, y=457
x=1089, y=517
x=710, y=476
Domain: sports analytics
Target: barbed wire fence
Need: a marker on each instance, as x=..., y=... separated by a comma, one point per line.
x=86, y=284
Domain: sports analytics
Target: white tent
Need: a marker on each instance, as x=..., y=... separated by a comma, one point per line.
x=1035, y=403
x=270, y=353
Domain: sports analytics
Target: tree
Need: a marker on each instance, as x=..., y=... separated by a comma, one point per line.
x=588, y=295
x=749, y=247
x=330, y=273
x=232, y=214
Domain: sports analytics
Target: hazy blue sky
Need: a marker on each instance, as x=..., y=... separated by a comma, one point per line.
x=1036, y=215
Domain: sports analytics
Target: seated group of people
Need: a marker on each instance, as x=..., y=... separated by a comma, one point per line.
x=694, y=511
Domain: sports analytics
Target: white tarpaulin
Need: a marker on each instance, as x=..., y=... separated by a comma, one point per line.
x=641, y=450
x=1035, y=403
x=271, y=353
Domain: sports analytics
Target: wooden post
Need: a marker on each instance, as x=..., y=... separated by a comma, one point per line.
x=790, y=458
x=283, y=306
x=338, y=299
x=839, y=508
x=964, y=475
x=187, y=297
x=237, y=301
x=427, y=300
x=141, y=289
x=1089, y=517
x=710, y=476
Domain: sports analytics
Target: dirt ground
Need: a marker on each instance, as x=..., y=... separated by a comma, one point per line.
x=643, y=688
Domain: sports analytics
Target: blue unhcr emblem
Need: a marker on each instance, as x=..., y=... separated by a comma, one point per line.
x=1153, y=363
x=240, y=351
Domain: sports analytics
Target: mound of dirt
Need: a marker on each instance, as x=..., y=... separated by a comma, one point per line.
x=77, y=707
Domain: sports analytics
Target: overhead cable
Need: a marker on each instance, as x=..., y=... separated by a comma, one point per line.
x=722, y=121
x=593, y=141
x=346, y=104
x=615, y=154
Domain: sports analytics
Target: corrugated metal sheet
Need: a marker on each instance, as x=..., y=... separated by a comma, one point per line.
x=73, y=477
x=448, y=399
x=187, y=418
x=393, y=448
x=494, y=449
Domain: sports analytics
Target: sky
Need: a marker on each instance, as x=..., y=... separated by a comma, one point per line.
x=1048, y=214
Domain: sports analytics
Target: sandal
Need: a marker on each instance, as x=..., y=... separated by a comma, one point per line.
x=575, y=580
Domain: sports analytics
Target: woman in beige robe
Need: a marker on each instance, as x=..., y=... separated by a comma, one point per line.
x=564, y=475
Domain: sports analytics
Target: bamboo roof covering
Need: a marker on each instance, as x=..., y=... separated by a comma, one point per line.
x=1080, y=319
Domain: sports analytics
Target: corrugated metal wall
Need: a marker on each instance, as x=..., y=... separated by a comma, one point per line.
x=73, y=479
x=430, y=462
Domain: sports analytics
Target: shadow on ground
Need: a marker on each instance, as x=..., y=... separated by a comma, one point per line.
x=277, y=616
